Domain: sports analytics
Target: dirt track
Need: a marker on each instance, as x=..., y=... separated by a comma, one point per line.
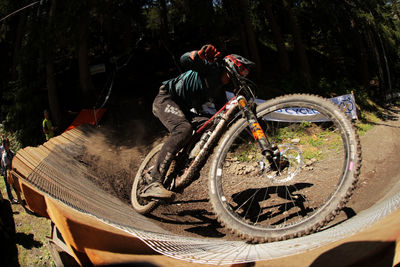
x=119, y=145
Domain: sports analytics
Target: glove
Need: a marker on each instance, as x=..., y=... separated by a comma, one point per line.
x=209, y=53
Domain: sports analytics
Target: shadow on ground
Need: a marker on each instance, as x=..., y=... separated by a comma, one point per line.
x=8, y=235
x=356, y=254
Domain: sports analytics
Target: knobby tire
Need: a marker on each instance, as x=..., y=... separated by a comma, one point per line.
x=261, y=207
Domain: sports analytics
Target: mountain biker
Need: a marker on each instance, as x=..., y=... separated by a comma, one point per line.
x=205, y=78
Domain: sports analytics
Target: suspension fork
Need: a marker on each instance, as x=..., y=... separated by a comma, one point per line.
x=267, y=149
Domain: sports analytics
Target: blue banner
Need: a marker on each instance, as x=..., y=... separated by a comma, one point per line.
x=345, y=102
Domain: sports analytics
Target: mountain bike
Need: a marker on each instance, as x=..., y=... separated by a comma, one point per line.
x=280, y=169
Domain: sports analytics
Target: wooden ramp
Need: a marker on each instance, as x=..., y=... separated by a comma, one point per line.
x=96, y=228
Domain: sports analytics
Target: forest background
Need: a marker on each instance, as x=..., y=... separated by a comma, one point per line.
x=64, y=55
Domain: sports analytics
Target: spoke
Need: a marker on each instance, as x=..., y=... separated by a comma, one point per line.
x=290, y=195
x=265, y=196
x=237, y=185
x=305, y=199
x=252, y=199
x=287, y=191
x=252, y=196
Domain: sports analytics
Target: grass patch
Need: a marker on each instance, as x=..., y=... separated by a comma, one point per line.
x=247, y=153
x=30, y=236
x=311, y=153
x=370, y=114
x=315, y=141
x=366, y=122
x=312, y=139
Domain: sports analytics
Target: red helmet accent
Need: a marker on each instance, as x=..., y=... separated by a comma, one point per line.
x=239, y=63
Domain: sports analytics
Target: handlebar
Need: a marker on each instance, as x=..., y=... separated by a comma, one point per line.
x=243, y=86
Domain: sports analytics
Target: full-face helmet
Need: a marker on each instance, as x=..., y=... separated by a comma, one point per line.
x=239, y=64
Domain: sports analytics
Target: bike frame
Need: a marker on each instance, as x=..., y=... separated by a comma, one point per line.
x=204, y=125
x=225, y=115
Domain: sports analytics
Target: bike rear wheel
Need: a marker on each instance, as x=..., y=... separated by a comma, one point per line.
x=141, y=205
x=320, y=156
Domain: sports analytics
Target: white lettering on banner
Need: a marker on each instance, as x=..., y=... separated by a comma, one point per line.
x=297, y=111
x=345, y=102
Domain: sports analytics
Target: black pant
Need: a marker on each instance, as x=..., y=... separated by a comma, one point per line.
x=8, y=187
x=179, y=126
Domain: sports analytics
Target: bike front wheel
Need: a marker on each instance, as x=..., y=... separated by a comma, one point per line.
x=319, y=163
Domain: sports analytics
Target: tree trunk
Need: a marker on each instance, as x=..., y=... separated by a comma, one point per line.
x=363, y=54
x=243, y=39
x=250, y=37
x=378, y=64
x=164, y=18
x=83, y=56
x=50, y=73
x=298, y=44
x=18, y=41
x=284, y=62
x=164, y=33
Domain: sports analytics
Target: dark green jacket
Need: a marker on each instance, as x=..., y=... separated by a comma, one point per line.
x=200, y=83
